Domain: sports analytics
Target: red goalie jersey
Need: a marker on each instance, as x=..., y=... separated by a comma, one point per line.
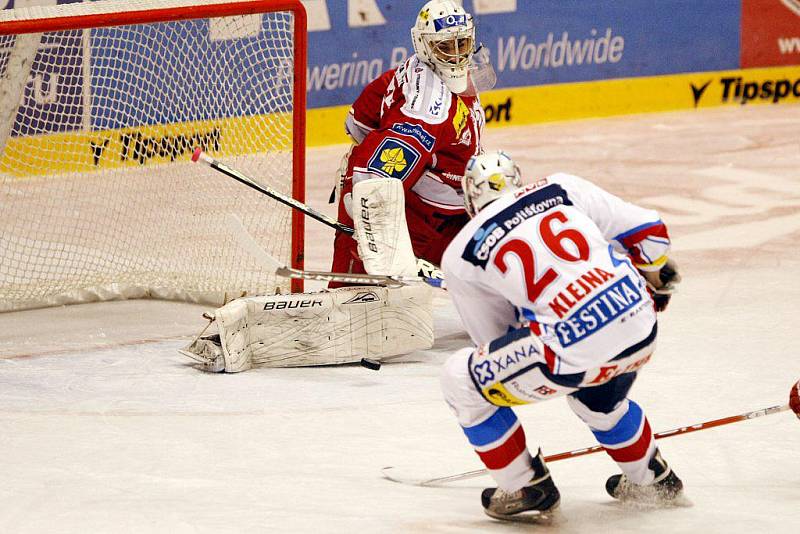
x=410, y=126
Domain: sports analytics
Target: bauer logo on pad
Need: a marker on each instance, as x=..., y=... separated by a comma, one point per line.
x=394, y=159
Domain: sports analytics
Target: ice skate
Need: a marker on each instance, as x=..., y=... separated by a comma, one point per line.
x=533, y=503
x=666, y=489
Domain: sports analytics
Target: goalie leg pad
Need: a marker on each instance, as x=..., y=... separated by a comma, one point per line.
x=327, y=328
x=381, y=230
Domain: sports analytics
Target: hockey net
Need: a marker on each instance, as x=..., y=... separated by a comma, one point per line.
x=101, y=106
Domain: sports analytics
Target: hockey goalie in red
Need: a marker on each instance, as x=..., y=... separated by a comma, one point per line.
x=419, y=123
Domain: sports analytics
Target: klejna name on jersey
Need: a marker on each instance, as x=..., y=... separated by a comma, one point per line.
x=603, y=309
x=490, y=233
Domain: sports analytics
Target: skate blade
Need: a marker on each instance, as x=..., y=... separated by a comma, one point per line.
x=547, y=517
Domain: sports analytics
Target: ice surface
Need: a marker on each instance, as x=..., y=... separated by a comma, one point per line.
x=104, y=427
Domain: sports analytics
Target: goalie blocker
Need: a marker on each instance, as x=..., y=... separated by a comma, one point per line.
x=332, y=327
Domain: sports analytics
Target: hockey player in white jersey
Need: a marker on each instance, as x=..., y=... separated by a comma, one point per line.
x=551, y=282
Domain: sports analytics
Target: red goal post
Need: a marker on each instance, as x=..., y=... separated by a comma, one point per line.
x=101, y=105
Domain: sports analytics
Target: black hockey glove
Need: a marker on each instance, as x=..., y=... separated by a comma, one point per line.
x=669, y=279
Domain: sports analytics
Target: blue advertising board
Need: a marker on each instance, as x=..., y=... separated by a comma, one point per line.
x=533, y=42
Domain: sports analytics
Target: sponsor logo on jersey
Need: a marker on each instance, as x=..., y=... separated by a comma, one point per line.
x=504, y=357
x=494, y=229
x=450, y=21
x=460, y=117
x=394, y=159
x=417, y=132
x=603, y=309
x=607, y=372
x=483, y=372
x=544, y=390
x=436, y=105
x=466, y=139
x=499, y=395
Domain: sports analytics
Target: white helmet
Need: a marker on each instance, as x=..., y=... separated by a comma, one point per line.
x=488, y=177
x=444, y=39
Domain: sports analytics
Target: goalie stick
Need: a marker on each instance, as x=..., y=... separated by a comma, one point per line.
x=426, y=269
x=199, y=155
x=274, y=265
x=392, y=474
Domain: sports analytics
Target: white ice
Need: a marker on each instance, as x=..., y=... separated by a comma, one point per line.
x=105, y=428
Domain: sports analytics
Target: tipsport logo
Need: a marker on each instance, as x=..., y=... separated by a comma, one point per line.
x=736, y=89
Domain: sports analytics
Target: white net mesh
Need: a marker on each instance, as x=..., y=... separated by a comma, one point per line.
x=98, y=196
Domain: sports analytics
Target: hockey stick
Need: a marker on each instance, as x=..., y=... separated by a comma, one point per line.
x=425, y=268
x=438, y=481
x=274, y=265
x=199, y=155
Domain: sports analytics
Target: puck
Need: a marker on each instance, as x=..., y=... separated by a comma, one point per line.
x=371, y=364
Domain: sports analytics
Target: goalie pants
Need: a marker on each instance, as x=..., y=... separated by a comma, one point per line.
x=483, y=406
x=430, y=231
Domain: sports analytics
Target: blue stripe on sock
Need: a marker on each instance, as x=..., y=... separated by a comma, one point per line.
x=492, y=429
x=625, y=429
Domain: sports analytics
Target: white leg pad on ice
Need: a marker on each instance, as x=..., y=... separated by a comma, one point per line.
x=331, y=327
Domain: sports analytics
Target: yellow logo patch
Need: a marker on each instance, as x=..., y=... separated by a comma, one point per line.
x=497, y=182
x=424, y=14
x=460, y=118
x=498, y=395
x=394, y=160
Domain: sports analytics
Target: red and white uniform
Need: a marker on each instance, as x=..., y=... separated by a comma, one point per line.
x=410, y=126
x=563, y=255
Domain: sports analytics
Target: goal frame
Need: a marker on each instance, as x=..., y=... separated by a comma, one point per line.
x=201, y=11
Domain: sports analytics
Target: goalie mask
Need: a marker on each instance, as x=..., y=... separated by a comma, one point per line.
x=488, y=177
x=444, y=39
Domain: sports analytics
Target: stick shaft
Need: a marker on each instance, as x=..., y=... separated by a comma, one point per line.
x=272, y=193
x=428, y=272
x=248, y=243
x=326, y=276
x=597, y=448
